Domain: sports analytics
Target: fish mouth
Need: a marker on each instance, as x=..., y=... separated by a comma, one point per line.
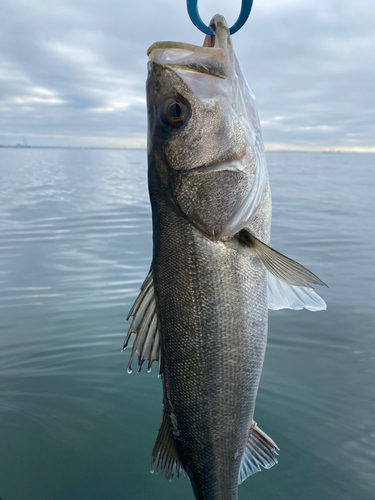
x=211, y=58
x=207, y=60
x=182, y=46
x=219, y=38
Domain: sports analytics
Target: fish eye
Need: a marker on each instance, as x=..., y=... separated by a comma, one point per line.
x=174, y=112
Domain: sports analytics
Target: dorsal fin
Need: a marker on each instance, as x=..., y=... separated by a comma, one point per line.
x=145, y=327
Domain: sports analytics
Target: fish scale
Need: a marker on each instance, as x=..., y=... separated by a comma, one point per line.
x=213, y=340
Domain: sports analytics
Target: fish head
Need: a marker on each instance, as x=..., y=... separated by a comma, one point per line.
x=202, y=146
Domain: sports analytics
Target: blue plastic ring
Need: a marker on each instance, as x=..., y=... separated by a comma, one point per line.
x=192, y=7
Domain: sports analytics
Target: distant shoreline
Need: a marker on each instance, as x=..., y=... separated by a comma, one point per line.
x=70, y=147
x=328, y=149
x=268, y=148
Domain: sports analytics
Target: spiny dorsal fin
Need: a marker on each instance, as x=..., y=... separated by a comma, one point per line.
x=279, y=265
x=260, y=451
x=164, y=455
x=145, y=327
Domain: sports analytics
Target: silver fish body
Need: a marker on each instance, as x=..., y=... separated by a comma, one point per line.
x=202, y=312
x=211, y=292
x=212, y=304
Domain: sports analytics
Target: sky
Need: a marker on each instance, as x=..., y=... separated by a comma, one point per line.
x=72, y=72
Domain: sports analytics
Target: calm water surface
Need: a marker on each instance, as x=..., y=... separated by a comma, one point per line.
x=75, y=246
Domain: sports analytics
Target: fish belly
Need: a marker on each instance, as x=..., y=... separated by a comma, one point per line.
x=212, y=306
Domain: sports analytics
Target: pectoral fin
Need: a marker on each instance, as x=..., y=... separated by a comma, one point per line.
x=260, y=451
x=145, y=327
x=281, y=267
x=164, y=455
x=280, y=295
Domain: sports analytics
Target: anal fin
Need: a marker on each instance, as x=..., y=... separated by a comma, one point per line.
x=164, y=455
x=260, y=451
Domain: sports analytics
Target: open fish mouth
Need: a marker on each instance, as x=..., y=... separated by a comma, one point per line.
x=214, y=47
x=187, y=57
x=168, y=45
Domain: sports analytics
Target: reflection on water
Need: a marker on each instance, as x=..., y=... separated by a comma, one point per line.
x=75, y=246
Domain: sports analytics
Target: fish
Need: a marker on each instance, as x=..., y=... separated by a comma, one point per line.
x=202, y=312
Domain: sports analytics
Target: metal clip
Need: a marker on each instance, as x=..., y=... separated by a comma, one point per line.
x=192, y=7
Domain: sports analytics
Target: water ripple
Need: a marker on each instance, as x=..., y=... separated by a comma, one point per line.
x=75, y=247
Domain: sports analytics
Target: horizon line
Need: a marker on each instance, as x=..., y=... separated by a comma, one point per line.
x=268, y=146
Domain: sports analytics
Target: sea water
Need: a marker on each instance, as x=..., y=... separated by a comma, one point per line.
x=75, y=246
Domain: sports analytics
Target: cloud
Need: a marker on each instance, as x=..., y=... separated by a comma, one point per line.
x=74, y=71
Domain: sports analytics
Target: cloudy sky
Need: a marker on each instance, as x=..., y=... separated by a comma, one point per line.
x=72, y=72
